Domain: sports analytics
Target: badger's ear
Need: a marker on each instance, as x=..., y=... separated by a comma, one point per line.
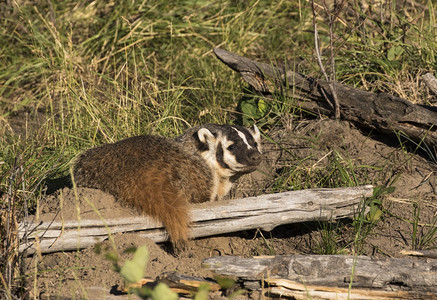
x=205, y=136
x=256, y=134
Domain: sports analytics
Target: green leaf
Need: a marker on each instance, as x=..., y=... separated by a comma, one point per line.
x=374, y=214
x=224, y=282
x=381, y=190
x=249, y=108
x=111, y=256
x=262, y=106
x=98, y=248
x=130, y=249
x=253, y=108
x=394, y=52
x=133, y=270
x=162, y=291
x=202, y=292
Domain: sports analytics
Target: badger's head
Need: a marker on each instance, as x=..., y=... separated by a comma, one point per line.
x=230, y=151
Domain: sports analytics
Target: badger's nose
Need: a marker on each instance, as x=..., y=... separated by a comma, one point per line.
x=255, y=157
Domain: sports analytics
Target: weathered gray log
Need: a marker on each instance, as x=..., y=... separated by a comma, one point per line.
x=382, y=112
x=318, y=272
x=265, y=212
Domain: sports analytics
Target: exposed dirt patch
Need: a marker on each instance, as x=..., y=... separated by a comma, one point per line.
x=311, y=146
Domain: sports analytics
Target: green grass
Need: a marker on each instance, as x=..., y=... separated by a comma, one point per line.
x=75, y=74
x=423, y=236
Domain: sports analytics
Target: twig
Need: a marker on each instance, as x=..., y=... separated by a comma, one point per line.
x=332, y=18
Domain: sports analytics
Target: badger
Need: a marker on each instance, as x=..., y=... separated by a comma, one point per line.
x=161, y=176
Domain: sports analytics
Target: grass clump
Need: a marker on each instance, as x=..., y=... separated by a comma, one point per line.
x=423, y=236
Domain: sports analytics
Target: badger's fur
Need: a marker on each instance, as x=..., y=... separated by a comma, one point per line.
x=160, y=176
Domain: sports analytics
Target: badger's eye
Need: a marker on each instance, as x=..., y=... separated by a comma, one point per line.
x=231, y=147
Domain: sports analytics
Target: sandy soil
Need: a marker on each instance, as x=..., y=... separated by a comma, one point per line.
x=87, y=273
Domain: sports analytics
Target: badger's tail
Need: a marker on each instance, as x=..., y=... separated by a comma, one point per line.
x=155, y=196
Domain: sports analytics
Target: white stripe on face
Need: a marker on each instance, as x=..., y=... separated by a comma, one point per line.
x=230, y=159
x=243, y=137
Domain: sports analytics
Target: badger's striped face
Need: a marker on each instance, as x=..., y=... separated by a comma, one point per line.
x=231, y=149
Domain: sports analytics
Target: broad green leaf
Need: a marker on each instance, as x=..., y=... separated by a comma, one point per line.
x=202, y=292
x=262, y=106
x=224, y=282
x=133, y=270
x=162, y=291
x=374, y=214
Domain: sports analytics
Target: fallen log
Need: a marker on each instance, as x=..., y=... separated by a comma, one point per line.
x=379, y=111
x=334, y=276
x=265, y=212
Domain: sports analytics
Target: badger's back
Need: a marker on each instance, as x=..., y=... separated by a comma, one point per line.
x=150, y=173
